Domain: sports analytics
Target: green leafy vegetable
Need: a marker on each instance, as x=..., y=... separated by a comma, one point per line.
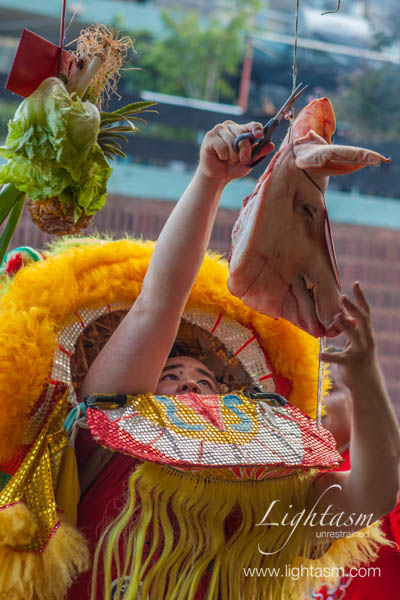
x=52, y=149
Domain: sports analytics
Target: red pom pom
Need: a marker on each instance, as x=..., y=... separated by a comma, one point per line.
x=14, y=264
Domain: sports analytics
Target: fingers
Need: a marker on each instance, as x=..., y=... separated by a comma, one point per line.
x=338, y=358
x=228, y=138
x=352, y=308
x=222, y=137
x=245, y=145
x=235, y=130
x=361, y=298
x=348, y=326
x=361, y=313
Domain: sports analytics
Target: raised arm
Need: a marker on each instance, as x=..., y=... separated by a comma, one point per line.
x=372, y=484
x=132, y=360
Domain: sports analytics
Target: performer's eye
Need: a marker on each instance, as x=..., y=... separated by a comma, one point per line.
x=204, y=382
x=169, y=377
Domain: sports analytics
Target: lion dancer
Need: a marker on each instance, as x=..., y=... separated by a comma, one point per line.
x=195, y=520
x=136, y=358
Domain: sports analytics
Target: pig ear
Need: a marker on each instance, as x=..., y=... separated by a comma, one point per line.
x=329, y=159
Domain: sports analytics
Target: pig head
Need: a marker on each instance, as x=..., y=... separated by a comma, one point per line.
x=282, y=258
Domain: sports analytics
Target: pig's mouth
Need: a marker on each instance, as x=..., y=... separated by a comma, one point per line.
x=301, y=307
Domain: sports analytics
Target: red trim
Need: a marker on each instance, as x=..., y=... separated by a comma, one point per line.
x=201, y=452
x=64, y=350
x=127, y=417
x=80, y=320
x=264, y=377
x=217, y=322
x=53, y=531
x=282, y=458
x=109, y=308
x=11, y=504
x=239, y=450
x=157, y=437
x=245, y=344
x=299, y=444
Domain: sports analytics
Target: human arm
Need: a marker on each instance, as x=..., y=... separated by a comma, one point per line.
x=132, y=360
x=371, y=486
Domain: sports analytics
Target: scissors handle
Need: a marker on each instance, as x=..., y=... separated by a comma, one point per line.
x=268, y=129
x=244, y=136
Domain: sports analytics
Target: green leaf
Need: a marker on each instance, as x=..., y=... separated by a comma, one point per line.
x=109, y=135
x=133, y=108
x=9, y=195
x=109, y=142
x=119, y=118
x=109, y=149
x=11, y=225
x=117, y=128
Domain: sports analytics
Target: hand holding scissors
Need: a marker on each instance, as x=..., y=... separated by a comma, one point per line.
x=269, y=128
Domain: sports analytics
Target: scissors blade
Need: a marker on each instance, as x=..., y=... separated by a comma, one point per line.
x=295, y=95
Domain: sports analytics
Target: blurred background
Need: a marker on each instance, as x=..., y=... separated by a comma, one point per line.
x=206, y=61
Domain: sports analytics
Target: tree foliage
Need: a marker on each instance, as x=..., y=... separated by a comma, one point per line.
x=385, y=22
x=7, y=110
x=198, y=56
x=368, y=103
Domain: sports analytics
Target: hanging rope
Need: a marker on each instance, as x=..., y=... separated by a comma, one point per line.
x=62, y=35
x=291, y=140
x=296, y=36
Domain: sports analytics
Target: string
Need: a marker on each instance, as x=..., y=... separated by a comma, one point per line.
x=62, y=34
x=62, y=24
x=320, y=379
x=291, y=140
x=294, y=71
x=77, y=8
x=296, y=36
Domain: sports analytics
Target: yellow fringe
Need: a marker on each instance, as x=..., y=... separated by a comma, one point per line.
x=358, y=549
x=194, y=540
x=44, y=575
x=44, y=295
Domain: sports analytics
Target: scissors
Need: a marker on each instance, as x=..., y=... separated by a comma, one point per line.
x=269, y=128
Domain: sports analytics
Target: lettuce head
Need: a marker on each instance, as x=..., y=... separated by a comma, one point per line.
x=52, y=149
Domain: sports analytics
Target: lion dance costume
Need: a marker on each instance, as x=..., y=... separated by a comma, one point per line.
x=206, y=467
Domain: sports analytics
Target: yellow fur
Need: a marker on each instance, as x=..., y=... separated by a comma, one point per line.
x=17, y=525
x=43, y=296
x=42, y=575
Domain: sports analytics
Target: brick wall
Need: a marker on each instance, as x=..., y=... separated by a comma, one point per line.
x=371, y=255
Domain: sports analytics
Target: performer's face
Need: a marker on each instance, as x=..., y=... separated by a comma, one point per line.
x=183, y=374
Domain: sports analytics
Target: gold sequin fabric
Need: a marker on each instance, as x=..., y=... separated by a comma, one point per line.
x=32, y=482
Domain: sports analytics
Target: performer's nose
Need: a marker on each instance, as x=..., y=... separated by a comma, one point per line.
x=189, y=386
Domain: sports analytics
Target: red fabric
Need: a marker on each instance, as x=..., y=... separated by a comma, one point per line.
x=385, y=586
x=102, y=503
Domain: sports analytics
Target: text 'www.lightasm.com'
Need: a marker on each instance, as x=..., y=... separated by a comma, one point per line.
x=311, y=571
